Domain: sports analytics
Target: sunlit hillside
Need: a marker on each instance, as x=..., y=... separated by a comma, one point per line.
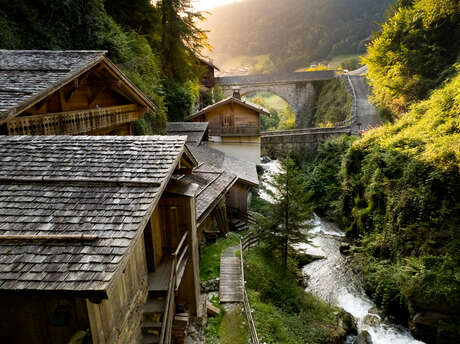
x=292, y=33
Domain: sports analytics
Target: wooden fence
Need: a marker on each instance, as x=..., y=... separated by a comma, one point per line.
x=248, y=241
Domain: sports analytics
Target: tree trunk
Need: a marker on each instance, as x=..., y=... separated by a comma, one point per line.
x=285, y=251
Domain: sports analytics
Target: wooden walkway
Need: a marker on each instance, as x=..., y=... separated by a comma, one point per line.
x=230, y=284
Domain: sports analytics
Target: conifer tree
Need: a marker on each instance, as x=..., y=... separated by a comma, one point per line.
x=286, y=219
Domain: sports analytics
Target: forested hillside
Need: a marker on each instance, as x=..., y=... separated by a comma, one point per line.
x=155, y=45
x=397, y=192
x=293, y=32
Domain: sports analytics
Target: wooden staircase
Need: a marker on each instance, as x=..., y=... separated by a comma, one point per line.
x=161, y=324
x=239, y=220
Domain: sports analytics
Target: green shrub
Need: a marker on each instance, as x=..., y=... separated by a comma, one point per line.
x=283, y=311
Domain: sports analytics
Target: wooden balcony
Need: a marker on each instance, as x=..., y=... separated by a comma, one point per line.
x=234, y=131
x=74, y=122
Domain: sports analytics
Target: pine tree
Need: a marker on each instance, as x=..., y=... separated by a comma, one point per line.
x=181, y=39
x=286, y=219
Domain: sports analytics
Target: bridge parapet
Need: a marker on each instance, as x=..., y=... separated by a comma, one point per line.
x=276, y=78
x=301, y=142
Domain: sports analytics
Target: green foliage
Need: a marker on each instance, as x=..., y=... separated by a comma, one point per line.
x=351, y=64
x=284, y=222
x=281, y=115
x=212, y=329
x=322, y=174
x=290, y=34
x=150, y=124
x=210, y=258
x=178, y=100
x=181, y=39
x=414, y=52
x=333, y=103
x=283, y=311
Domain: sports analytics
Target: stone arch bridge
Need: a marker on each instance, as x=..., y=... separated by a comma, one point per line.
x=297, y=89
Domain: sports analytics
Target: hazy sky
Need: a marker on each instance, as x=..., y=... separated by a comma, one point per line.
x=203, y=5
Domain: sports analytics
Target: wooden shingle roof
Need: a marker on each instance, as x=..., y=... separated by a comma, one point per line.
x=195, y=131
x=213, y=185
x=28, y=76
x=72, y=208
x=246, y=171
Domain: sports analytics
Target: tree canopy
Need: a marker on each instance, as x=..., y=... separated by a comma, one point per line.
x=156, y=45
x=414, y=52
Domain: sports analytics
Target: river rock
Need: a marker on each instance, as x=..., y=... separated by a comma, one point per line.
x=372, y=320
x=374, y=310
x=344, y=247
x=348, y=322
x=210, y=285
x=433, y=327
x=346, y=326
x=265, y=159
x=363, y=338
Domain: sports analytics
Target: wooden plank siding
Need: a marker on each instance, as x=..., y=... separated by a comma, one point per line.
x=117, y=319
x=231, y=119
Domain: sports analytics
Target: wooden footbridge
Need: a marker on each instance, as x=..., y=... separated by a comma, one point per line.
x=230, y=284
x=232, y=287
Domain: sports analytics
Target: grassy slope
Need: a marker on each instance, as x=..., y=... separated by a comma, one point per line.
x=333, y=103
x=400, y=202
x=210, y=259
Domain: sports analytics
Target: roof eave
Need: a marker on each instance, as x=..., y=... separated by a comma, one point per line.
x=140, y=95
x=16, y=110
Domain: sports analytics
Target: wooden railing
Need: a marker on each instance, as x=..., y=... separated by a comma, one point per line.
x=179, y=262
x=247, y=307
x=249, y=240
x=238, y=213
x=237, y=131
x=73, y=122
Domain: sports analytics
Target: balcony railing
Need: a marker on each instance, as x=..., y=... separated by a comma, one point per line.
x=74, y=122
x=234, y=131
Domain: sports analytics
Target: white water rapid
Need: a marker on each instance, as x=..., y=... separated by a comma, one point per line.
x=331, y=280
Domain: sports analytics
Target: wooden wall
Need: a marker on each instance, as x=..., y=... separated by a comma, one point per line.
x=27, y=319
x=235, y=115
x=238, y=197
x=178, y=217
x=118, y=319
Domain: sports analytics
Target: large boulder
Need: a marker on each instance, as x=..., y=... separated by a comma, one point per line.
x=363, y=338
x=372, y=320
x=433, y=327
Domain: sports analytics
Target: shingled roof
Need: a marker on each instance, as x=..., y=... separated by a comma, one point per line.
x=72, y=208
x=229, y=100
x=195, y=131
x=246, y=171
x=28, y=76
x=213, y=185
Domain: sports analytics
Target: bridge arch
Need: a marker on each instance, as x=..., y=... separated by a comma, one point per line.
x=285, y=118
x=296, y=89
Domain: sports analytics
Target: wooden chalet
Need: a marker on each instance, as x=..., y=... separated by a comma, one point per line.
x=66, y=93
x=98, y=242
x=211, y=208
x=234, y=126
x=196, y=132
x=208, y=78
x=238, y=196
